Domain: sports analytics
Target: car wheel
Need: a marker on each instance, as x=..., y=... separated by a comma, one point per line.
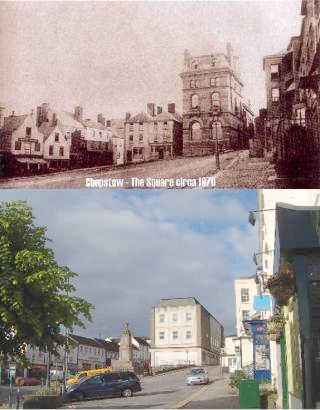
x=79, y=396
x=126, y=393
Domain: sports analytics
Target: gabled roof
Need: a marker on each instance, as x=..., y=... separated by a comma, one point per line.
x=13, y=122
x=46, y=130
x=141, y=117
x=167, y=116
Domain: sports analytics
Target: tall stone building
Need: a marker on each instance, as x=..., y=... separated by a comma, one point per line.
x=212, y=103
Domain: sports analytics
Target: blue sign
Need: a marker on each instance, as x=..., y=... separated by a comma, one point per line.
x=262, y=302
x=261, y=351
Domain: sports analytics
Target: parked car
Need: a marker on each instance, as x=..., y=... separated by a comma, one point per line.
x=84, y=373
x=27, y=381
x=104, y=385
x=198, y=375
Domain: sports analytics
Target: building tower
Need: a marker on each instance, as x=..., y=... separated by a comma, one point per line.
x=212, y=95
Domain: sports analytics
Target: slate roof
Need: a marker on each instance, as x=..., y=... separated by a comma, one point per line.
x=86, y=341
x=168, y=116
x=13, y=122
x=46, y=130
x=141, y=117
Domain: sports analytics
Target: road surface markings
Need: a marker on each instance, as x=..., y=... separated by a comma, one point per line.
x=184, y=402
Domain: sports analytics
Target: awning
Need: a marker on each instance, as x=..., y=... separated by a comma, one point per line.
x=298, y=226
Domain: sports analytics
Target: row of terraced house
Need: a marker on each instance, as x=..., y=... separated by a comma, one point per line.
x=84, y=353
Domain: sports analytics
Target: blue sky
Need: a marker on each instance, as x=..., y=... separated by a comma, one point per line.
x=131, y=248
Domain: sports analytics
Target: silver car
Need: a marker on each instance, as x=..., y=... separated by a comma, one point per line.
x=198, y=375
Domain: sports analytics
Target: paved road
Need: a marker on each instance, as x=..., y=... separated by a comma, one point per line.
x=167, y=391
x=24, y=391
x=188, y=168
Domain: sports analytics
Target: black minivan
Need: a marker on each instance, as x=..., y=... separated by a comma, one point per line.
x=104, y=385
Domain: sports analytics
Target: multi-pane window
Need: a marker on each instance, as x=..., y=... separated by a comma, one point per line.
x=17, y=145
x=51, y=150
x=161, y=317
x=274, y=69
x=192, y=84
x=214, y=82
x=161, y=335
x=196, y=131
x=140, y=126
x=275, y=94
x=188, y=334
x=131, y=127
x=188, y=316
x=175, y=335
x=245, y=315
x=301, y=116
x=194, y=101
x=140, y=138
x=131, y=138
x=215, y=100
x=244, y=295
x=175, y=317
x=61, y=151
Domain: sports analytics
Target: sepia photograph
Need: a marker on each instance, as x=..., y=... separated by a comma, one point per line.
x=167, y=94
x=160, y=299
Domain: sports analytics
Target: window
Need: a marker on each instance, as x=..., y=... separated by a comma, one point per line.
x=194, y=101
x=274, y=69
x=300, y=116
x=51, y=150
x=140, y=126
x=161, y=335
x=140, y=151
x=56, y=137
x=244, y=295
x=188, y=334
x=195, y=131
x=175, y=317
x=165, y=125
x=161, y=318
x=28, y=132
x=61, y=151
x=37, y=146
x=275, y=94
x=192, y=84
x=215, y=100
x=188, y=316
x=237, y=349
x=175, y=335
x=131, y=138
x=131, y=126
x=245, y=315
x=100, y=134
x=140, y=138
x=214, y=82
x=17, y=145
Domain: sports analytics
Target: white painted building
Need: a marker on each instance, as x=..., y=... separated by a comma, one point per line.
x=184, y=332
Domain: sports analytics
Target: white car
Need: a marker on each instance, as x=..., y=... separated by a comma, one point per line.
x=198, y=375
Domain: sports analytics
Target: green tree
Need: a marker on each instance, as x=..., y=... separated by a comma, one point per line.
x=35, y=292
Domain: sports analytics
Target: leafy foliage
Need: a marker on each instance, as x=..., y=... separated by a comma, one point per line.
x=35, y=292
x=245, y=374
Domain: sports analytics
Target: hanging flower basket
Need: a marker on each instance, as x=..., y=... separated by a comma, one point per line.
x=275, y=324
x=282, y=285
x=275, y=337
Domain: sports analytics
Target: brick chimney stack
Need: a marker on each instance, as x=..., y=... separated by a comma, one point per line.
x=78, y=113
x=172, y=108
x=151, y=109
x=101, y=119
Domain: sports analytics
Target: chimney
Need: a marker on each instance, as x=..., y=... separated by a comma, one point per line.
x=54, y=119
x=128, y=115
x=78, y=113
x=151, y=109
x=45, y=110
x=229, y=53
x=159, y=110
x=2, y=116
x=101, y=119
x=172, y=108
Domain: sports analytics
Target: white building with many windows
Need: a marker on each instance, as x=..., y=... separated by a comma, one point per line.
x=184, y=332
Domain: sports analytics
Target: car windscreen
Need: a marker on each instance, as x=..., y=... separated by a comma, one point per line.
x=196, y=371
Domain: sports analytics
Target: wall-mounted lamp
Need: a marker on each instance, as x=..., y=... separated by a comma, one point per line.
x=252, y=217
x=255, y=260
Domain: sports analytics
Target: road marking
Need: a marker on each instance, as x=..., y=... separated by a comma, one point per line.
x=184, y=402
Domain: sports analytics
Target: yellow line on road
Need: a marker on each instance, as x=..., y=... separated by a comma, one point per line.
x=184, y=402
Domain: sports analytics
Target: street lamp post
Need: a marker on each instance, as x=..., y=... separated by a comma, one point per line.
x=215, y=121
